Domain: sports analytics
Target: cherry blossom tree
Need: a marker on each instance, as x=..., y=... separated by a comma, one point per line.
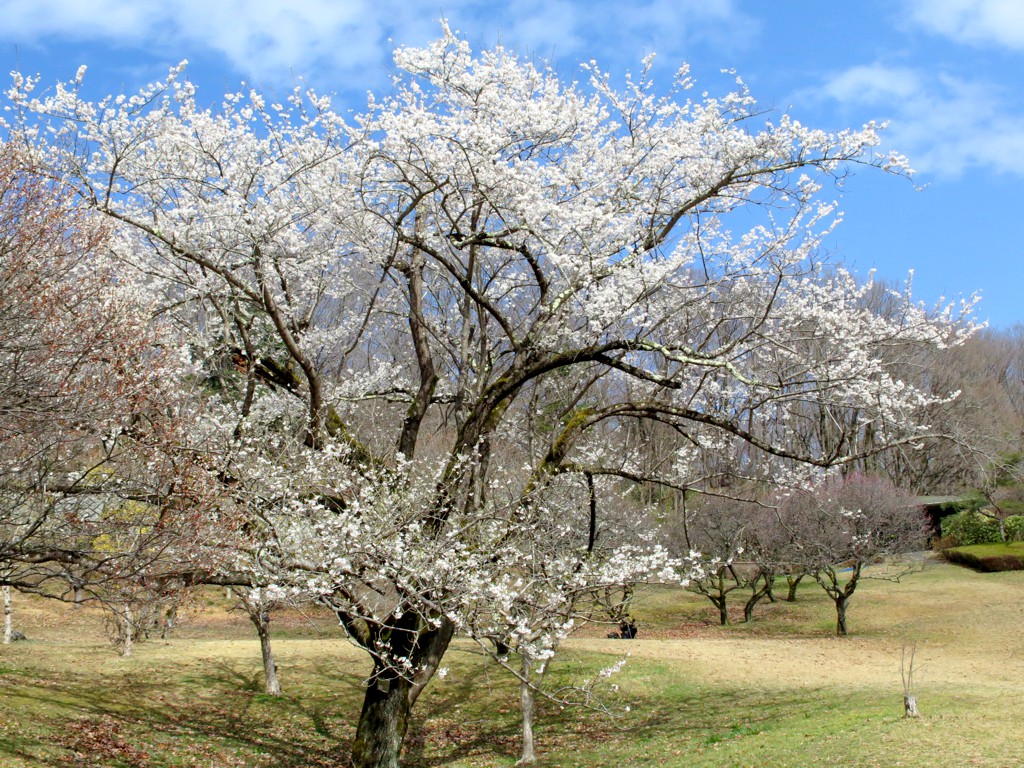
x=476, y=284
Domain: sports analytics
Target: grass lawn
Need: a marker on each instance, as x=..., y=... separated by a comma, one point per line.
x=781, y=691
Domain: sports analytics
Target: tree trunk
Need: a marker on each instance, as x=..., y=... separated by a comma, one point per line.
x=755, y=597
x=383, y=721
x=261, y=618
x=8, y=624
x=169, y=618
x=527, y=699
x=78, y=590
x=748, y=608
x=390, y=697
x=723, y=612
x=841, y=602
x=793, y=582
x=910, y=706
x=526, y=702
x=127, y=622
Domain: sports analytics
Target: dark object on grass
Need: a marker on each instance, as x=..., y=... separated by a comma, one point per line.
x=627, y=629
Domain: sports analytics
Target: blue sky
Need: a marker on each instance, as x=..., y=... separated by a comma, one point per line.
x=947, y=74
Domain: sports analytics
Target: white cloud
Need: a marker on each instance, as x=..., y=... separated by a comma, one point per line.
x=270, y=39
x=873, y=83
x=944, y=124
x=973, y=21
x=262, y=38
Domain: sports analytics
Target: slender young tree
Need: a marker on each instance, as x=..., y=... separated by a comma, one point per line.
x=258, y=606
x=549, y=586
x=8, y=617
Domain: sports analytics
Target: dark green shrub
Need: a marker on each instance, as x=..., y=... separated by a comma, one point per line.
x=967, y=528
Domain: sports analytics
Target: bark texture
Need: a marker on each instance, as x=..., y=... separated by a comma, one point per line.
x=910, y=706
x=383, y=722
x=841, y=604
x=793, y=582
x=530, y=677
x=390, y=695
x=261, y=619
x=8, y=624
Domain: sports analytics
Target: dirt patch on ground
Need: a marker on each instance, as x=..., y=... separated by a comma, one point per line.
x=825, y=662
x=771, y=662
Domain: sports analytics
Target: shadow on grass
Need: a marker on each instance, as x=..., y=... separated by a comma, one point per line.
x=219, y=717
x=215, y=714
x=455, y=722
x=466, y=726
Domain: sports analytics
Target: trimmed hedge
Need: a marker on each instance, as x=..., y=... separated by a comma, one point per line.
x=988, y=558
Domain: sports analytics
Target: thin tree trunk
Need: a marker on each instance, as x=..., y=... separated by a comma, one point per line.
x=720, y=601
x=723, y=611
x=910, y=706
x=840, y=594
x=78, y=590
x=127, y=630
x=169, y=618
x=531, y=678
x=8, y=624
x=907, y=676
x=756, y=595
x=261, y=618
x=841, y=602
x=526, y=702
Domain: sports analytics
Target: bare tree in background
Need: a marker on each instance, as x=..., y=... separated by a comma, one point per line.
x=848, y=524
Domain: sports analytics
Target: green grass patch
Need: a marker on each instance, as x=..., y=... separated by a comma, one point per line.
x=988, y=558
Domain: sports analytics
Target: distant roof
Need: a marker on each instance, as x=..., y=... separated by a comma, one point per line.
x=931, y=501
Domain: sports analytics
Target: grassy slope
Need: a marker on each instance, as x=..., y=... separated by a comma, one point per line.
x=779, y=692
